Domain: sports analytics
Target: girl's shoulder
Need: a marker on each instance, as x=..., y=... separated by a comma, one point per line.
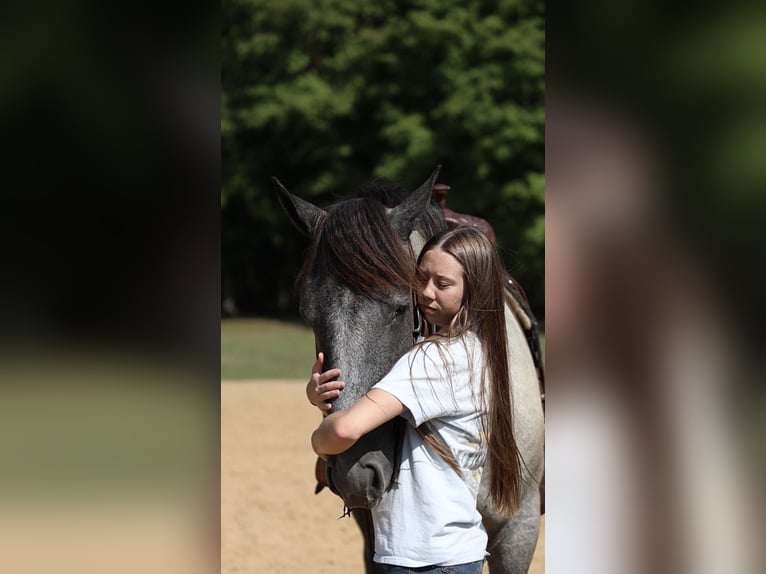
x=467, y=342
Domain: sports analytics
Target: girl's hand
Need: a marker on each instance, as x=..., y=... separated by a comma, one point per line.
x=321, y=388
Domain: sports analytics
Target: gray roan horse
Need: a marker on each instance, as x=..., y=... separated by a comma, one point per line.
x=355, y=291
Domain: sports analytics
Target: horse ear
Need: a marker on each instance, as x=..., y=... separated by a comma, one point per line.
x=403, y=216
x=303, y=214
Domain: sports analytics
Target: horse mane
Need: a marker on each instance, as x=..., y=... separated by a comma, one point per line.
x=355, y=244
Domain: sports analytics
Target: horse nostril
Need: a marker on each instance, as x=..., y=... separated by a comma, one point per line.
x=361, y=482
x=329, y=476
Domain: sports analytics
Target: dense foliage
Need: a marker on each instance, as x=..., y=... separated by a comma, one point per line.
x=326, y=94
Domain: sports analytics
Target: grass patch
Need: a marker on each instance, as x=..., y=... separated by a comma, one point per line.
x=265, y=349
x=270, y=349
x=86, y=425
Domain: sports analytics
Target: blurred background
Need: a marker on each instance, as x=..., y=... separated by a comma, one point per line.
x=655, y=181
x=109, y=291
x=327, y=95
x=117, y=268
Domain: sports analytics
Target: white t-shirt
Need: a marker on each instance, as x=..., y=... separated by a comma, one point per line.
x=429, y=516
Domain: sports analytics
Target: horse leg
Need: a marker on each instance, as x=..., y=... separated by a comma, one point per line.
x=512, y=541
x=363, y=519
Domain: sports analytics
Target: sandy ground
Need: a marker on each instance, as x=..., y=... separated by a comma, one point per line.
x=271, y=520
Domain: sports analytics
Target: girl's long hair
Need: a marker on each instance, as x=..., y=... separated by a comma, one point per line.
x=483, y=313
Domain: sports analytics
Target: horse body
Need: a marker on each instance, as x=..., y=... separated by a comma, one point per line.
x=360, y=309
x=512, y=541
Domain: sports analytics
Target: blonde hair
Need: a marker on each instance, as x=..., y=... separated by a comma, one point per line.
x=483, y=312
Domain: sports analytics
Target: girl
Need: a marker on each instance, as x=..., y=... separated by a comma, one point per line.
x=453, y=388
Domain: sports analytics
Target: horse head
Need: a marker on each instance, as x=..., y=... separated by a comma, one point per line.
x=355, y=291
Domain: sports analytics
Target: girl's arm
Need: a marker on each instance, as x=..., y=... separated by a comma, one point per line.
x=339, y=431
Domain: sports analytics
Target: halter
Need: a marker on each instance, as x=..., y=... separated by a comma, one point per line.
x=419, y=325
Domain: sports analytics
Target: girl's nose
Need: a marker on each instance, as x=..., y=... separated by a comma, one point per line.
x=427, y=291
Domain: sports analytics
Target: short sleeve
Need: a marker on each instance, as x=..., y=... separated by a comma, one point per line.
x=431, y=381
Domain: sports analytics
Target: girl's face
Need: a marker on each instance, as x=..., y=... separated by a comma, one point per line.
x=441, y=292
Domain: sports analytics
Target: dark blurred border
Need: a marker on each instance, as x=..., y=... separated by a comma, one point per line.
x=109, y=122
x=111, y=173
x=655, y=181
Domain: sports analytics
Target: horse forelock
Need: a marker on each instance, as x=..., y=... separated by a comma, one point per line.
x=356, y=245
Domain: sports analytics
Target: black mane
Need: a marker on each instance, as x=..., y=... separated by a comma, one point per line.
x=357, y=246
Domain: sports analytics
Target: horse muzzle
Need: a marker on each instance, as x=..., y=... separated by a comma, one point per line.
x=362, y=474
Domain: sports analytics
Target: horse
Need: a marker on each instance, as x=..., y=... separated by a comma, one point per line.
x=354, y=290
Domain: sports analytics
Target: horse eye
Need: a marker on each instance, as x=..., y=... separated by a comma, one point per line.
x=400, y=309
x=305, y=312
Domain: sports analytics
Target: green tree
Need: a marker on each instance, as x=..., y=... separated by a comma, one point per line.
x=326, y=94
